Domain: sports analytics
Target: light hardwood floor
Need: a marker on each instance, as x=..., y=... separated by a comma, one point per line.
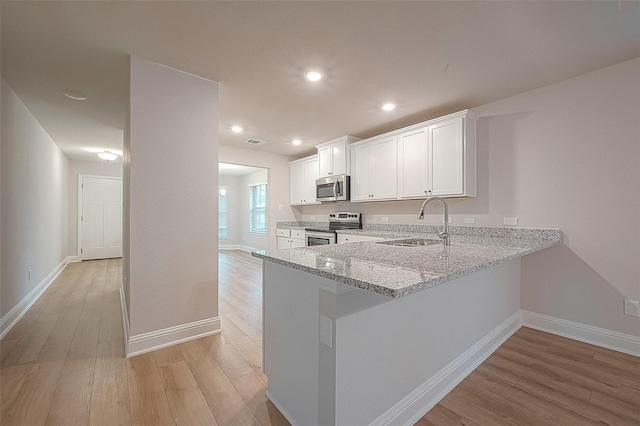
x=63, y=363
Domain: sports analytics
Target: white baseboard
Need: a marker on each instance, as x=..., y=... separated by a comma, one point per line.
x=237, y=247
x=13, y=316
x=125, y=320
x=415, y=405
x=147, y=342
x=614, y=340
x=74, y=259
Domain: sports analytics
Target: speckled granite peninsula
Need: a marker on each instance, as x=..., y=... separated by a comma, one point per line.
x=369, y=333
x=397, y=271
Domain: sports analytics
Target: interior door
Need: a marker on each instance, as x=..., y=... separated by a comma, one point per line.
x=101, y=218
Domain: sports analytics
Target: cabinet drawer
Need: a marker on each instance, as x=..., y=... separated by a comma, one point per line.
x=345, y=238
x=297, y=234
x=283, y=232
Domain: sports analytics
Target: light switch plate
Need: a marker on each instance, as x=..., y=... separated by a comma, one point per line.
x=326, y=330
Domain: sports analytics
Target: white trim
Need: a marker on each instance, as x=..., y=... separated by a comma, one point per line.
x=125, y=320
x=415, y=405
x=147, y=342
x=73, y=259
x=13, y=316
x=237, y=247
x=80, y=214
x=613, y=340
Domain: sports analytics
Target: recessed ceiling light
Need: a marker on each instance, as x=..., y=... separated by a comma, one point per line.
x=76, y=96
x=388, y=107
x=313, y=76
x=107, y=155
x=296, y=141
x=236, y=129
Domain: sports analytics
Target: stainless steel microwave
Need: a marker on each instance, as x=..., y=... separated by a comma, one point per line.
x=333, y=188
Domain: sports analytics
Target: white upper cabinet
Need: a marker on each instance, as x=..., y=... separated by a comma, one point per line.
x=413, y=168
x=446, y=158
x=333, y=156
x=438, y=157
x=303, y=174
x=373, y=169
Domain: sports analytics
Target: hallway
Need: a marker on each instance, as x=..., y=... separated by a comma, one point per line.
x=63, y=363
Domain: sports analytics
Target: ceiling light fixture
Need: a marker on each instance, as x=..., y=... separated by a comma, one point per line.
x=296, y=141
x=388, y=107
x=107, y=155
x=236, y=129
x=313, y=76
x=76, y=96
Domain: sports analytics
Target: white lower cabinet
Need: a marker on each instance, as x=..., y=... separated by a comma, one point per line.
x=290, y=238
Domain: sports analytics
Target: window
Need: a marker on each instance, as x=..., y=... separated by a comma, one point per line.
x=222, y=213
x=258, y=206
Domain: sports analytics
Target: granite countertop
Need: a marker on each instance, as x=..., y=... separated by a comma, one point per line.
x=399, y=271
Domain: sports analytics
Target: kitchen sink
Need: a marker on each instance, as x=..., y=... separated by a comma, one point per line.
x=411, y=242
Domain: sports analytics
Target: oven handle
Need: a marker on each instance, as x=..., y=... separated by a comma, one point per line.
x=320, y=234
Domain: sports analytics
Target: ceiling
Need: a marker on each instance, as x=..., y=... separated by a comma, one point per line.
x=429, y=58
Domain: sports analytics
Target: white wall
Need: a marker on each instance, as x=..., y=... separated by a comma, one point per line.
x=278, y=167
x=171, y=180
x=34, y=192
x=564, y=156
x=98, y=168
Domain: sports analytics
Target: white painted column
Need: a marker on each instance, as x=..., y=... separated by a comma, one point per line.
x=170, y=244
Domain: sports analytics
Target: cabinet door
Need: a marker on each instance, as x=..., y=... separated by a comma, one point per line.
x=296, y=186
x=310, y=176
x=383, y=169
x=284, y=243
x=360, y=173
x=413, y=170
x=295, y=243
x=324, y=161
x=446, y=158
x=339, y=158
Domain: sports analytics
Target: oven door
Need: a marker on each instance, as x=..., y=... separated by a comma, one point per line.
x=320, y=238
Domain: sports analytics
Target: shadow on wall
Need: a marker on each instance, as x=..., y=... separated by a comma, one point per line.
x=558, y=283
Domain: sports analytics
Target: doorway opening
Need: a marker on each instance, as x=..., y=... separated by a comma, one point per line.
x=243, y=203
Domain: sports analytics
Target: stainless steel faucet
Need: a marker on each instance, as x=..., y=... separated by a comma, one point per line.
x=444, y=234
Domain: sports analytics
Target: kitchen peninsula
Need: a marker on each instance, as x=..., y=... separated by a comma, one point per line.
x=374, y=333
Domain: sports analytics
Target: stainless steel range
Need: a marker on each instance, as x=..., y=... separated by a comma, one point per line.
x=339, y=220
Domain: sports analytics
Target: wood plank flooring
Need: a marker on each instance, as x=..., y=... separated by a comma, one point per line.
x=63, y=363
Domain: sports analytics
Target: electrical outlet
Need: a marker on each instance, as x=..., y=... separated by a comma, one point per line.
x=632, y=308
x=469, y=220
x=513, y=221
x=326, y=330
x=450, y=220
x=385, y=219
x=280, y=207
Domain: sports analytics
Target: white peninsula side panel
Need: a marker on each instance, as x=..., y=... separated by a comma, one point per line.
x=388, y=360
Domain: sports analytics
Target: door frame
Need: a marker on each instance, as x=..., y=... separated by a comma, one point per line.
x=81, y=178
